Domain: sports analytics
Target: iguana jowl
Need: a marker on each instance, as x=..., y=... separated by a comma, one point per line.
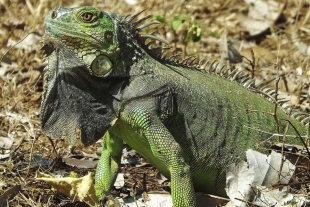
x=101, y=79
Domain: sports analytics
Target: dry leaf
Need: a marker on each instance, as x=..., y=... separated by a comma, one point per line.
x=76, y=188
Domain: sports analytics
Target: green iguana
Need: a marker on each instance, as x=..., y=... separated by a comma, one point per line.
x=103, y=79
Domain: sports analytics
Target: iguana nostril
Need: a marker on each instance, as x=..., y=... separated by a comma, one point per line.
x=54, y=15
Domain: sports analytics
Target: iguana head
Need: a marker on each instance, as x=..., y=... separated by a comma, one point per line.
x=89, y=33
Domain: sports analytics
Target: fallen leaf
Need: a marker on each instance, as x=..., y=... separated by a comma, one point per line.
x=261, y=16
x=81, y=164
x=259, y=170
x=120, y=181
x=81, y=189
x=277, y=197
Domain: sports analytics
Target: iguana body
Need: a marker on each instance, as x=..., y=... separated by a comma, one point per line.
x=189, y=124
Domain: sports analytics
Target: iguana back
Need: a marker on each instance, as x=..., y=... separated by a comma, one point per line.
x=103, y=79
x=213, y=121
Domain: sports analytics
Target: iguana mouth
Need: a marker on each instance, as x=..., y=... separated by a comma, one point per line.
x=48, y=47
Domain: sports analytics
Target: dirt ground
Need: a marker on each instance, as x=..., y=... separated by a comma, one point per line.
x=24, y=148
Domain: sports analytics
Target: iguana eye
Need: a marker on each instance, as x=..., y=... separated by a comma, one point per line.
x=87, y=16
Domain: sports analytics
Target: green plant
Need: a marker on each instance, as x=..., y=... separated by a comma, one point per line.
x=181, y=24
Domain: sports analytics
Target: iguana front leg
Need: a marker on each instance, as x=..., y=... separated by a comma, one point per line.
x=108, y=165
x=164, y=147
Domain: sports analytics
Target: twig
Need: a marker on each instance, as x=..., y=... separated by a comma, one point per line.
x=282, y=151
x=16, y=44
x=298, y=134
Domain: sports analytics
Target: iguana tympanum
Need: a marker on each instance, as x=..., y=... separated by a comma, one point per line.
x=102, y=79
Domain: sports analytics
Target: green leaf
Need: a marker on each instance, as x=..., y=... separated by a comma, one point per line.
x=193, y=33
x=159, y=18
x=293, y=201
x=178, y=21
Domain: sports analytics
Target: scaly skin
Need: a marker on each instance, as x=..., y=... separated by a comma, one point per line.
x=102, y=79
